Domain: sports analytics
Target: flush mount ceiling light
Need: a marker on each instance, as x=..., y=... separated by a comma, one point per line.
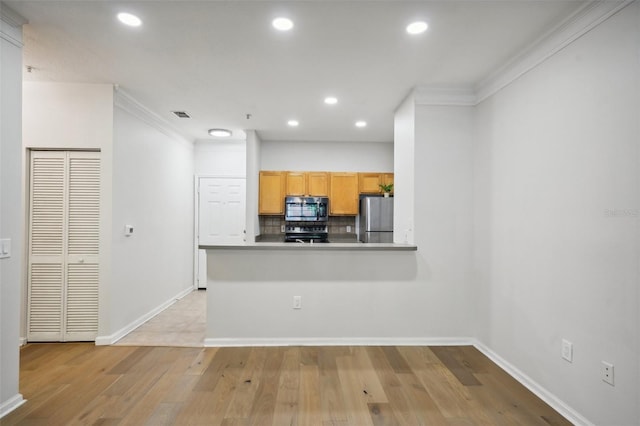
x=361, y=123
x=220, y=133
x=417, y=27
x=282, y=24
x=293, y=123
x=330, y=100
x=129, y=19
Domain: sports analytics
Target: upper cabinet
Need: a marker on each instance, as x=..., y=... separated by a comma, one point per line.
x=387, y=179
x=272, y=192
x=343, y=194
x=318, y=184
x=314, y=184
x=342, y=188
x=296, y=183
x=369, y=183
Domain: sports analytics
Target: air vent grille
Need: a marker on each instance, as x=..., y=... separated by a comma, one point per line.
x=181, y=114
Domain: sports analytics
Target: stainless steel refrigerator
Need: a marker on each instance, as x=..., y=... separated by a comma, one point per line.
x=376, y=220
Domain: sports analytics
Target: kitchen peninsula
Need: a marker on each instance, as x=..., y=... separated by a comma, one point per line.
x=302, y=294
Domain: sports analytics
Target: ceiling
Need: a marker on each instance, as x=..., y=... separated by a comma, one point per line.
x=222, y=60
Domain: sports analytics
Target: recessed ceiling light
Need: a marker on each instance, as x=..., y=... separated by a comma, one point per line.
x=220, y=133
x=330, y=100
x=129, y=19
x=293, y=123
x=417, y=27
x=361, y=123
x=282, y=24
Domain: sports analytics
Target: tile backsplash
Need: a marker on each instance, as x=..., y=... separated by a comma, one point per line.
x=270, y=225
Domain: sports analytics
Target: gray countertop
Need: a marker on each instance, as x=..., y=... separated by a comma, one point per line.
x=341, y=242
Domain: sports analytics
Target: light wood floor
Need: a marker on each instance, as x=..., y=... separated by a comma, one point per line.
x=68, y=384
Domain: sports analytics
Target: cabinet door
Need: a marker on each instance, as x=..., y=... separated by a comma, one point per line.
x=318, y=184
x=271, y=198
x=296, y=183
x=343, y=198
x=369, y=183
x=387, y=179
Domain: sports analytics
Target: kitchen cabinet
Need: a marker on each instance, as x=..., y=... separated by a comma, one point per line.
x=318, y=184
x=296, y=183
x=387, y=179
x=343, y=194
x=271, y=193
x=369, y=183
x=314, y=184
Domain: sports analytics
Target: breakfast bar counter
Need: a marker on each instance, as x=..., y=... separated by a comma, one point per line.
x=360, y=247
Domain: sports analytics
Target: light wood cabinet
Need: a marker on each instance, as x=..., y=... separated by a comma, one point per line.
x=343, y=194
x=318, y=184
x=296, y=183
x=314, y=184
x=369, y=183
x=342, y=188
x=387, y=179
x=271, y=193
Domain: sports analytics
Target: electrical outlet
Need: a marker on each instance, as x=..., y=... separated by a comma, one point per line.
x=607, y=372
x=282, y=228
x=297, y=302
x=348, y=228
x=567, y=350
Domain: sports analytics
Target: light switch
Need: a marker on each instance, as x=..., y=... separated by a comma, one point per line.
x=5, y=248
x=128, y=230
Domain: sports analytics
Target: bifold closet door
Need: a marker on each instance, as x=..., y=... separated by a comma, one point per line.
x=64, y=221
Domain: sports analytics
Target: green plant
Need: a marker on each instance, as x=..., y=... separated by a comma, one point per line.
x=386, y=188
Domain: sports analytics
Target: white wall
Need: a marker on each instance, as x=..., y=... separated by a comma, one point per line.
x=443, y=204
x=11, y=209
x=327, y=156
x=253, y=183
x=348, y=297
x=153, y=191
x=76, y=116
x=220, y=158
x=557, y=242
x=404, y=133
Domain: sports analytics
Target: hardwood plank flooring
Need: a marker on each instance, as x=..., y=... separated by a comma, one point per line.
x=83, y=384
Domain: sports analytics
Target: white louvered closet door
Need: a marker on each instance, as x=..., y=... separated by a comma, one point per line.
x=63, y=246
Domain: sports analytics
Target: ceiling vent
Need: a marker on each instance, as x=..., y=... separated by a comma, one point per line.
x=181, y=114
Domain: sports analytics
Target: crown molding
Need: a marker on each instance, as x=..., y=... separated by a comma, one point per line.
x=11, y=17
x=11, y=25
x=441, y=96
x=583, y=20
x=128, y=103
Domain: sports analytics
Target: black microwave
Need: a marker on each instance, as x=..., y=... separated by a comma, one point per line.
x=306, y=209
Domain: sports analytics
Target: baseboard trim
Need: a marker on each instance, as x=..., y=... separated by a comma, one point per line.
x=113, y=338
x=11, y=404
x=22, y=341
x=556, y=403
x=337, y=341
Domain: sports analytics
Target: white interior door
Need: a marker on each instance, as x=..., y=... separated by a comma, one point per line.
x=221, y=216
x=64, y=223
